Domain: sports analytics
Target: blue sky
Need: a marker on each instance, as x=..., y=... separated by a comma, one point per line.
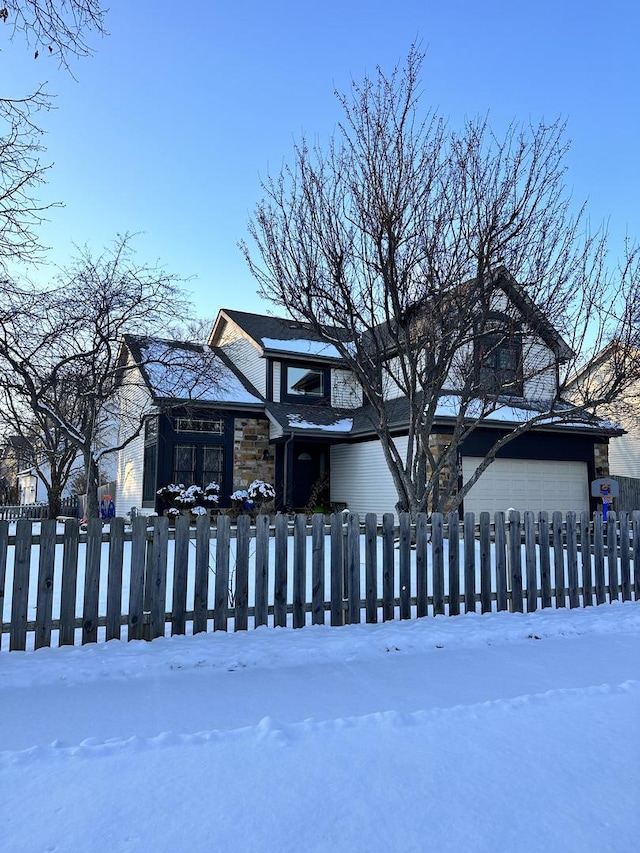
x=169, y=127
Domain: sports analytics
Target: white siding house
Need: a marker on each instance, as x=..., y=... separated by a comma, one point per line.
x=540, y=380
x=242, y=352
x=624, y=450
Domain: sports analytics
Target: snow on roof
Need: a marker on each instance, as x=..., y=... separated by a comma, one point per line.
x=302, y=346
x=341, y=425
x=449, y=406
x=179, y=372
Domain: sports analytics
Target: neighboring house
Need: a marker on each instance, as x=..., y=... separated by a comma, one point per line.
x=31, y=487
x=15, y=455
x=624, y=449
x=20, y=482
x=283, y=407
x=31, y=483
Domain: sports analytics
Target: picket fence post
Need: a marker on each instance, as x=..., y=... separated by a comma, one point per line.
x=4, y=547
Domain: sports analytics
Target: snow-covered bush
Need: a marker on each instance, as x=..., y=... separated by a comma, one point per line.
x=211, y=494
x=189, y=497
x=169, y=493
x=178, y=497
x=241, y=502
x=261, y=491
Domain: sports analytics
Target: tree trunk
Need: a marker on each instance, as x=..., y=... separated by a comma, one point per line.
x=54, y=499
x=92, y=504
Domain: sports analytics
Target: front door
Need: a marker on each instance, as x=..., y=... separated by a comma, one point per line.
x=310, y=475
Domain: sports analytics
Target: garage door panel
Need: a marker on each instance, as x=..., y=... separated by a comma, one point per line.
x=527, y=484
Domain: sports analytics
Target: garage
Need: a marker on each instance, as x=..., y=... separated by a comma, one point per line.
x=527, y=484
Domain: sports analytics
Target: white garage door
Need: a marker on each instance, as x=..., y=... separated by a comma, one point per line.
x=527, y=484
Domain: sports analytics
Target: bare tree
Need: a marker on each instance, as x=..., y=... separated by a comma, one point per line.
x=21, y=174
x=58, y=28
x=53, y=456
x=61, y=347
x=434, y=261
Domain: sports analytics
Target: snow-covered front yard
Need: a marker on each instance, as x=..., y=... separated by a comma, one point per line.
x=503, y=732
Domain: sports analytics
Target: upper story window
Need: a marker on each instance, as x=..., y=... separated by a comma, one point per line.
x=305, y=383
x=499, y=360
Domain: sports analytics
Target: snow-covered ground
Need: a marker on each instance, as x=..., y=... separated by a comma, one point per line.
x=503, y=732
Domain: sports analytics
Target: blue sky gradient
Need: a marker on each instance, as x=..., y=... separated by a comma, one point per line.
x=168, y=129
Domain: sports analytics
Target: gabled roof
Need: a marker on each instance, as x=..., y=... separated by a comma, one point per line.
x=279, y=335
x=528, y=308
x=16, y=443
x=176, y=371
x=386, y=335
x=615, y=351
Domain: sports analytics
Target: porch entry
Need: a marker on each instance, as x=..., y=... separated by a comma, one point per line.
x=310, y=474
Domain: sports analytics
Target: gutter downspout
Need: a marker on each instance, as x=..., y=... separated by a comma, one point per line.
x=286, y=471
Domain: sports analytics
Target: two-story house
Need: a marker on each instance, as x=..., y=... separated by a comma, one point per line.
x=283, y=407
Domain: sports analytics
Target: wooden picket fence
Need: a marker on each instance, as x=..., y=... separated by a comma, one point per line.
x=629, y=499
x=300, y=570
x=37, y=511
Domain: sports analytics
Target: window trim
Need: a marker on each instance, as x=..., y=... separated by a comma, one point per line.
x=197, y=477
x=324, y=371
x=151, y=444
x=181, y=424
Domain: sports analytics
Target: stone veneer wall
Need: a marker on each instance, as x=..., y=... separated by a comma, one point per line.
x=438, y=443
x=253, y=457
x=601, y=459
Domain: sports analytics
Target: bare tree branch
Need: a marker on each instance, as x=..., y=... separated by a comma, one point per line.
x=58, y=28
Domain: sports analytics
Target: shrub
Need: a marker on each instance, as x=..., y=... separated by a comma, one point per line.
x=261, y=491
x=178, y=497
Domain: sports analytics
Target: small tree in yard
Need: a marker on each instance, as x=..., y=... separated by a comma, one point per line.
x=60, y=349
x=424, y=255
x=54, y=456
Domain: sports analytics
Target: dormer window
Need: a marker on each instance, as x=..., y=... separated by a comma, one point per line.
x=302, y=382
